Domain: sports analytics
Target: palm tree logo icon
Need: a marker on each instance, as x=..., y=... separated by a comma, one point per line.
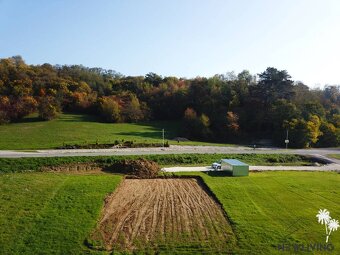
x=331, y=225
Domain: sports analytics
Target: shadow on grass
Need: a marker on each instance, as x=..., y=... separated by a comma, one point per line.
x=65, y=117
x=29, y=120
x=154, y=129
x=219, y=173
x=74, y=117
x=154, y=135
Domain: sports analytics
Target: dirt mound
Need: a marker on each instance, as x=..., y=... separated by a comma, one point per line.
x=151, y=214
x=140, y=168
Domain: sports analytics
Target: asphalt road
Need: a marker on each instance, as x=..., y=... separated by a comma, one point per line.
x=171, y=150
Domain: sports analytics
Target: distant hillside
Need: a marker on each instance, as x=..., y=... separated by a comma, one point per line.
x=222, y=108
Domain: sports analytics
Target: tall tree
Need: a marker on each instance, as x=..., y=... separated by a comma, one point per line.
x=274, y=84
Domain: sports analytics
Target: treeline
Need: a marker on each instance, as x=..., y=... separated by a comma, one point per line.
x=222, y=108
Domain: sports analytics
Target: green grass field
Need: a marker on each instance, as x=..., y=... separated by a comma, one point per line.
x=32, y=133
x=50, y=213
x=271, y=208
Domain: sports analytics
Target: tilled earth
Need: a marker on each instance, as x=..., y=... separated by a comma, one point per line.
x=155, y=213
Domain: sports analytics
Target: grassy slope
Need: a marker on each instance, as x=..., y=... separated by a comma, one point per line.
x=266, y=207
x=50, y=213
x=79, y=129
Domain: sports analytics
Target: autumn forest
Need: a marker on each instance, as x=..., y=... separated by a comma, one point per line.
x=224, y=108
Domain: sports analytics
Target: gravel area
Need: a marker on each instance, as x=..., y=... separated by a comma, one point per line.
x=328, y=167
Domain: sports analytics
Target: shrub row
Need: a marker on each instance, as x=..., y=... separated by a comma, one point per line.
x=8, y=165
x=122, y=144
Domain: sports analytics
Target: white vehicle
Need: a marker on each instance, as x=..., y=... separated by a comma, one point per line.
x=216, y=165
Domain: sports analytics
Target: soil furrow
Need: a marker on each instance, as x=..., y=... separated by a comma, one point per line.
x=161, y=211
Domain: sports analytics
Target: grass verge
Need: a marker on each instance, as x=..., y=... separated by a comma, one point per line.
x=336, y=156
x=8, y=165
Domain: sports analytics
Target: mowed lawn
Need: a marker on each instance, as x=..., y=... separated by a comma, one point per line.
x=271, y=208
x=32, y=133
x=49, y=213
x=46, y=213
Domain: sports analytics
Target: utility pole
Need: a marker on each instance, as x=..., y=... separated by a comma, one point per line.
x=287, y=140
x=163, y=137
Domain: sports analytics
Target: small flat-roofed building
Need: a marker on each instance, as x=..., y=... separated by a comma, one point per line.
x=236, y=167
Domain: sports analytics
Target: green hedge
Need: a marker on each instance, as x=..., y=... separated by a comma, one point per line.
x=8, y=165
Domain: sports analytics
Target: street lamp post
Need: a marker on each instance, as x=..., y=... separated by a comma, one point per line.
x=287, y=140
x=163, y=137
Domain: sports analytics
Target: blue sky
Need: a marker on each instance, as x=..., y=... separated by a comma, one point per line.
x=184, y=38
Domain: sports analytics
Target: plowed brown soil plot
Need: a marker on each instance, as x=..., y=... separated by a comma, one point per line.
x=163, y=214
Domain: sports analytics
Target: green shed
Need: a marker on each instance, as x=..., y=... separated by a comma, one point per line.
x=236, y=167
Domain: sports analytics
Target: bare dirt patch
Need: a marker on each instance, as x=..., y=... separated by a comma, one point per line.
x=161, y=214
x=73, y=167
